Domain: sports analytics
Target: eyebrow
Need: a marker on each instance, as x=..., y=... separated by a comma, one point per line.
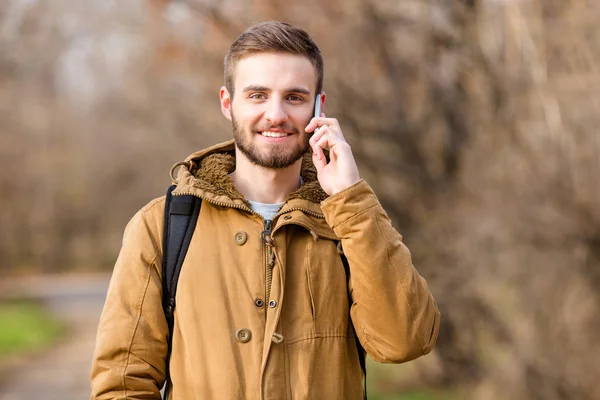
x=256, y=88
x=298, y=90
x=259, y=88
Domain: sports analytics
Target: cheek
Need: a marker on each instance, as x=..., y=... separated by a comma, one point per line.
x=300, y=118
x=247, y=116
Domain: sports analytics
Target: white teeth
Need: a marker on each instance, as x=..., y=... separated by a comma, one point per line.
x=273, y=134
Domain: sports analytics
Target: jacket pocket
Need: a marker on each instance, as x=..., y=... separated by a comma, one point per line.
x=327, y=286
x=310, y=293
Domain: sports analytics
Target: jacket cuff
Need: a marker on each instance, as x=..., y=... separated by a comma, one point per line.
x=348, y=203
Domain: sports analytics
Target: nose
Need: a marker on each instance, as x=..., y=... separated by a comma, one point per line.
x=276, y=113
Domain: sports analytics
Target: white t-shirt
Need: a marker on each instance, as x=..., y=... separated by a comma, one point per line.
x=268, y=211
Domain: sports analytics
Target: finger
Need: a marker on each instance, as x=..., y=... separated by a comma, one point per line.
x=323, y=142
x=318, y=155
x=328, y=139
x=312, y=125
x=316, y=136
x=320, y=145
x=318, y=152
x=316, y=122
x=319, y=160
x=322, y=139
x=317, y=128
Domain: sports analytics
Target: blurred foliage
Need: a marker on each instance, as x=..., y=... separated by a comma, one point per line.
x=400, y=382
x=414, y=395
x=475, y=122
x=26, y=327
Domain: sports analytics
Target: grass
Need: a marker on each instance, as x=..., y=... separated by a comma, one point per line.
x=25, y=326
x=401, y=382
x=416, y=395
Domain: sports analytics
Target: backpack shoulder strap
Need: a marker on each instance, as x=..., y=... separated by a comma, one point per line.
x=181, y=215
x=361, y=350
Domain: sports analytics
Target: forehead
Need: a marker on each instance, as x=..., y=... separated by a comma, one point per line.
x=276, y=71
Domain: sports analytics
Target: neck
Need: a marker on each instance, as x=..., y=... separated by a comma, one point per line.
x=264, y=185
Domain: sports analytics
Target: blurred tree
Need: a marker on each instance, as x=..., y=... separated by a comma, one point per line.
x=473, y=120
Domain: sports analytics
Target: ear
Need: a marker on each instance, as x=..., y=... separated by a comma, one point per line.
x=225, y=99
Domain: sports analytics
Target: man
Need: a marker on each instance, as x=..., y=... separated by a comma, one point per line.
x=263, y=308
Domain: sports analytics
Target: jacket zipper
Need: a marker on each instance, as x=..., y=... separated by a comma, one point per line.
x=269, y=259
x=219, y=203
x=304, y=210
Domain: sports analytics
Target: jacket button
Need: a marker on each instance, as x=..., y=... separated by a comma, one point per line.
x=287, y=217
x=272, y=304
x=259, y=302
x=240, y=238
x=243, y=335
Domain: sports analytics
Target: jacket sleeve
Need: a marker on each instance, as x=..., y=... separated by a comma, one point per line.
x=131, y=344
x=393, y=312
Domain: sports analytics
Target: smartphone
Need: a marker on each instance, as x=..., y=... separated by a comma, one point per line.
x=317, y=106
x=317, y=110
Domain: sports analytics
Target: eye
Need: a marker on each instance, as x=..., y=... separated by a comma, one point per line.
x=258, y=96
x=294, y=97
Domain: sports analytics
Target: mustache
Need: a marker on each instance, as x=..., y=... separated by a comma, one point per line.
x=282, y=127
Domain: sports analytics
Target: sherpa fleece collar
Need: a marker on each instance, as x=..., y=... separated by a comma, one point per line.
x=206, y=174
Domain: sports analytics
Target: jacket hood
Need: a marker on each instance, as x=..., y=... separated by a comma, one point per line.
x=206, y=174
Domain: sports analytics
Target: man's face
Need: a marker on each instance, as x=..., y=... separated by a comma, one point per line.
x=273, y=102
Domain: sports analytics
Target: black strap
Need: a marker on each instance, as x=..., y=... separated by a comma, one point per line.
x=181, y=215
x=359, y=347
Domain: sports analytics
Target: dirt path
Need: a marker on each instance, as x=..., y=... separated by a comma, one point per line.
x=61, y=372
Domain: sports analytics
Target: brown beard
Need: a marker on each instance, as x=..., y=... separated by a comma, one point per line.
x=275, y=160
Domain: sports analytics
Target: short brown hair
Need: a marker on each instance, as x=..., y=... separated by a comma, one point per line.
x=272, y=37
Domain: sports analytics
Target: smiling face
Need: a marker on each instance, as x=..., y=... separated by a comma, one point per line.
x=272, y=104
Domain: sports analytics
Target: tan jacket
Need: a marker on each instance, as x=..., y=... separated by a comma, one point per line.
x=254, y=321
